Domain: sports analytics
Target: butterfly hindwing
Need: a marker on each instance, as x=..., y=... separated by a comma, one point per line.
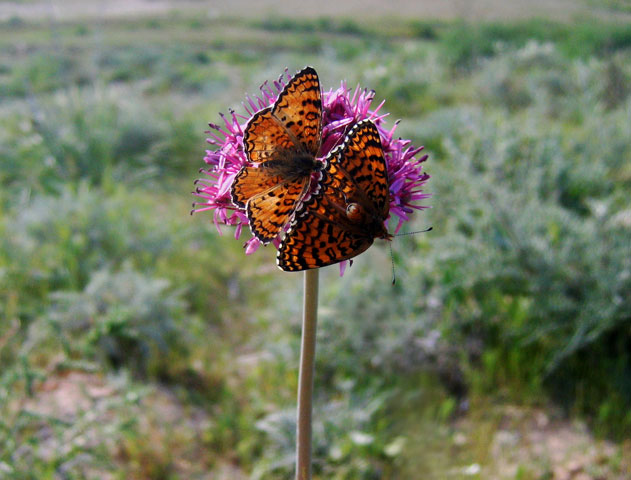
x=315, y=240
x=268, y=212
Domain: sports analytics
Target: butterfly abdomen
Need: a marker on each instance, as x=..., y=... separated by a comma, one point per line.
x=290, y=165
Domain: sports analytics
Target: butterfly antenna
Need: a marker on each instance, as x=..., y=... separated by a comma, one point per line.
x=394, y=279
x=413, y=233
x=392, y=262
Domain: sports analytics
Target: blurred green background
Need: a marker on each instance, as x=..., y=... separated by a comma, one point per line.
x=135, y=342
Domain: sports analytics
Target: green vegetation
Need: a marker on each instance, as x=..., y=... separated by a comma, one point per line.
x=135, y=342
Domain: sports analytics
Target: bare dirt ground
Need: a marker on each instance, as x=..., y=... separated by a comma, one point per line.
x=368, y=9
x=526, y=442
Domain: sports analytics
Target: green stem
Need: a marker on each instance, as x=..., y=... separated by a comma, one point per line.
x=305, y=376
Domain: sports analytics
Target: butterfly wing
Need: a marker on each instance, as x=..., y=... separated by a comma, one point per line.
x=294, y=123
x=299, y=110
x=323, y=232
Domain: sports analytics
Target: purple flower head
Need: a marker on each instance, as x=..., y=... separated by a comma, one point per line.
x=341, y=109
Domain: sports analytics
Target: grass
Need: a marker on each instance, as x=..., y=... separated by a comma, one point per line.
x=178, y=354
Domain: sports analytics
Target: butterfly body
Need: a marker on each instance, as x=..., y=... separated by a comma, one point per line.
x=292, y=165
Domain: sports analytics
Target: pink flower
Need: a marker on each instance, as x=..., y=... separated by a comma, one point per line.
x=342, y=108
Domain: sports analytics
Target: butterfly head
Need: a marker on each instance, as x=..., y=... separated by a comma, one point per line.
x=372, y=223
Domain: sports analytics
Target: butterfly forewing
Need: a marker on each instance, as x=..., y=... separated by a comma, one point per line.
x=299, y=109
x=250, y=182
x=363, y=162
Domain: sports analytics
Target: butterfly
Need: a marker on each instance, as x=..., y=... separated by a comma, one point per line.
x=281, y=143
x=347, y=212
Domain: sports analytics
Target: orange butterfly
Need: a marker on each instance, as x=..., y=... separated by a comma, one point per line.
x=282, y=142
x=344, y=216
